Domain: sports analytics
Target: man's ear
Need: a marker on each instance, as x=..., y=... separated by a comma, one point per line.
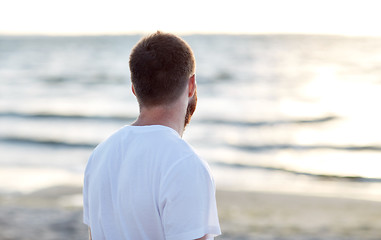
x=192, y=85
x=133, y=89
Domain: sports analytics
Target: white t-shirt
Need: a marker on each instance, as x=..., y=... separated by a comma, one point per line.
x=145, y=182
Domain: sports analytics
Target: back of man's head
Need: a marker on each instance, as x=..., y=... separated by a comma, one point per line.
x=160, y=66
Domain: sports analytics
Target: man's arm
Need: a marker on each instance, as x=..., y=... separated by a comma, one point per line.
x=203, y=238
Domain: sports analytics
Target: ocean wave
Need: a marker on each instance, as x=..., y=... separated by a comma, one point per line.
x=231, y=122
x=276, y=147
x=66, y=116
x=279, y=169
x=84, y=80
x=269, y=123
x=46, y=142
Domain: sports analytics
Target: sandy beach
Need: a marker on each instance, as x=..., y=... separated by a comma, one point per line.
x=259, y=215
x=54, y=213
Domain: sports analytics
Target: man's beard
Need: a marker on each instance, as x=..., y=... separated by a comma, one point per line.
x=190, y=109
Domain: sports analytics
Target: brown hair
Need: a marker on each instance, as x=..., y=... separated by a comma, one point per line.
x=160, y=66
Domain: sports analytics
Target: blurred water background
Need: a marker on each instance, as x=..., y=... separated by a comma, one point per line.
x=279, y=113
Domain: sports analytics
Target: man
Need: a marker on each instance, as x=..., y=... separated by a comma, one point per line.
x=144, y=181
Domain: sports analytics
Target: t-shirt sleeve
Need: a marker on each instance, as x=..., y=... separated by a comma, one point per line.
x=187, y=201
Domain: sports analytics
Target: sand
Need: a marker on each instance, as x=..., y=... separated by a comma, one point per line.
x=54, y=213
x=259, y=215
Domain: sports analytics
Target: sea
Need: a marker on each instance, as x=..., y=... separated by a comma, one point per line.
x=276, y=113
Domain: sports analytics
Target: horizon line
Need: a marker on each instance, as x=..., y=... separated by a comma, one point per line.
x=142, y=33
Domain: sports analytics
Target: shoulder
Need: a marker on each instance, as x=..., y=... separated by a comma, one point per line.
x=191, y=161
x=113, y=138
x=191, y=172
x=106, y=146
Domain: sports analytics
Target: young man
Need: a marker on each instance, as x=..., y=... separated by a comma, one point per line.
x=144, y=181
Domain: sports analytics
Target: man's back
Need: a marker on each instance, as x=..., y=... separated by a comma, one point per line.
x=145, y=182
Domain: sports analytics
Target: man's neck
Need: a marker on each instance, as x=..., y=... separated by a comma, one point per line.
x=170, y=116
